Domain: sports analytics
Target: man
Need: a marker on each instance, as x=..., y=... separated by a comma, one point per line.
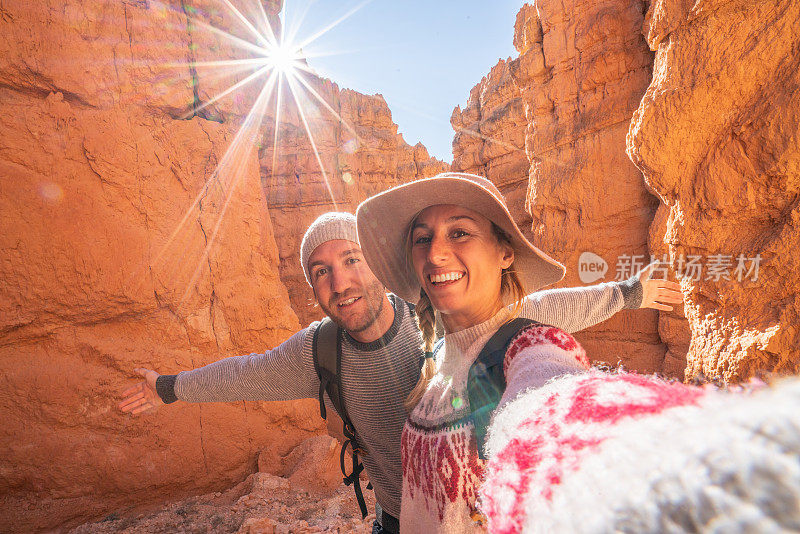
x=380, y=349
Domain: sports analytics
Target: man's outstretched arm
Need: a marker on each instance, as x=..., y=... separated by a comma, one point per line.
x=575, y=308
x=283, y=373
x=142, y=397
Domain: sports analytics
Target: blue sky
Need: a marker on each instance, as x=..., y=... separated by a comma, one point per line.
x=423, y=57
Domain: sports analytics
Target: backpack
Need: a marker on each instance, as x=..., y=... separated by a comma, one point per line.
x=327, y=351
x=486, y=380
x=486, y=383
x=327, y=355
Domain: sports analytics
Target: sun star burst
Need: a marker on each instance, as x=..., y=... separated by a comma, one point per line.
x=274, y=58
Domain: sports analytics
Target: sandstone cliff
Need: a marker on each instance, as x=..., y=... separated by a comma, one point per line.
x=135, y=232
x=716, y=136
x=548, y=127
x=490, y=139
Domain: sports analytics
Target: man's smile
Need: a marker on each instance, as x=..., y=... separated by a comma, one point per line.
x=348, y=302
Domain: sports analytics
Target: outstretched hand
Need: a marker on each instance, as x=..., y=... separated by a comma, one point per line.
x=142, y=397
x=656, y=293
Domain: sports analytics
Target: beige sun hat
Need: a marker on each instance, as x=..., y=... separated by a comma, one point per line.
x=383, y=222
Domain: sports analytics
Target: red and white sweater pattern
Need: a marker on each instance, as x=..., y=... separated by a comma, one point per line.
x=441, y=468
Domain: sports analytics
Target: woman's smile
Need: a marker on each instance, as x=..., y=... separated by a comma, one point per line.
x=446, y=278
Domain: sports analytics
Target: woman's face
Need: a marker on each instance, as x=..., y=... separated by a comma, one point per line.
x=459, y=261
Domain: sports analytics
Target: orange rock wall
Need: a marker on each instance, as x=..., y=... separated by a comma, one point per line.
x=549, y=128
x=104, y=266
x=716, y=136
x=130, y=235
x=490, y=139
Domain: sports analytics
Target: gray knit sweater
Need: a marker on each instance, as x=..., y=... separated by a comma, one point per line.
x=377, y=376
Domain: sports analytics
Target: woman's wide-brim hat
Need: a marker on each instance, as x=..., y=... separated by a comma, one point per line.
x=384, y=220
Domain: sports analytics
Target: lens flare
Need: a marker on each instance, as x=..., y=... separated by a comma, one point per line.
x=274, y=58
x=51, y=192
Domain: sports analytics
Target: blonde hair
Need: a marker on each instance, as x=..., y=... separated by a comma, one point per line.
x=510, y=285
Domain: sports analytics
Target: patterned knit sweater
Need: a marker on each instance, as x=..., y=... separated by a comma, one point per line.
x=378, y=376
x=441, y=468
x=609, y=453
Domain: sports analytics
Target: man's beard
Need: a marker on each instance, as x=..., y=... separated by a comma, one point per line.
x=373, y=297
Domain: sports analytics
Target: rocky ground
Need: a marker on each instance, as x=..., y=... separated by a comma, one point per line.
x=261, y=504
x=298, y=493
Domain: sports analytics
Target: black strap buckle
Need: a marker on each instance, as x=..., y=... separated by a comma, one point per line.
x=354, y=477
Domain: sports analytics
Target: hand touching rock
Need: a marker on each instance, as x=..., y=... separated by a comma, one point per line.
x=656, y=293
x=142, y=397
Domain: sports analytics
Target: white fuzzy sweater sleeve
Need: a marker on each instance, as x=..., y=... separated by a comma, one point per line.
x=609, y=453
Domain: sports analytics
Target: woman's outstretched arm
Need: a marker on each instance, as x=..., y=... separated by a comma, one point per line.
x=576, y=308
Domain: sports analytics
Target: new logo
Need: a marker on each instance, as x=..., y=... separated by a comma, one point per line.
x=591, y=267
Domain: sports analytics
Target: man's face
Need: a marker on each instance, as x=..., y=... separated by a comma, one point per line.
x=344, y=285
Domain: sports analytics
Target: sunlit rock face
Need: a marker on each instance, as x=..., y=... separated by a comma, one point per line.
x=716, y=136
x=549, y=128
x=362, y=154
x=490, y=139
x=131, y=236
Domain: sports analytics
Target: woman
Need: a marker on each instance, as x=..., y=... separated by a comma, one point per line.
x=450, y=244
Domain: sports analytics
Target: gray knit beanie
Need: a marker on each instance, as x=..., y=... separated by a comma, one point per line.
x=327, y=227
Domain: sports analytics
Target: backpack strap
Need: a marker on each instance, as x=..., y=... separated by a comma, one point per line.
x=326, y=347
x=327, y=352
x=486, y=380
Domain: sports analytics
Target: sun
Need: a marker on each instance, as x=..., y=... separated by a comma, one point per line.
x=284, y=58
x=274, y=57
